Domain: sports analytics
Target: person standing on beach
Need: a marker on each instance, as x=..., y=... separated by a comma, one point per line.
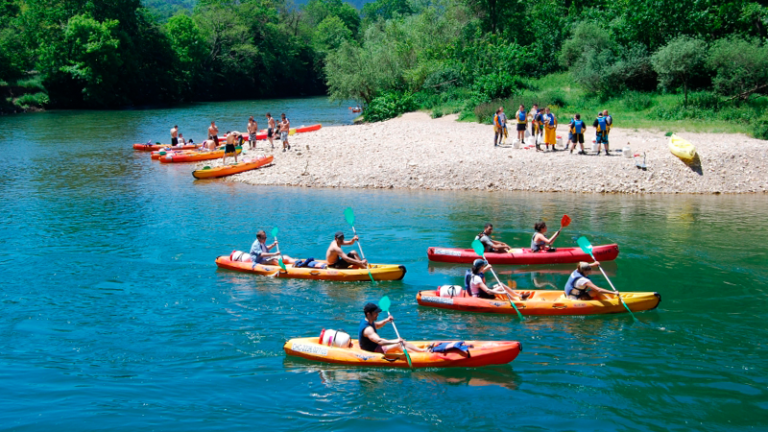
x=533, y=114
x=550, y=128
x=522, y=123
x=271, y=130
x=174, y=136
x=497, y=132
x=503, y=122
x=253, y=128
x=213, y=133
x=577, y=128
x=230, y=147
x=285, y=128
x=608, y=119
x=601, y=133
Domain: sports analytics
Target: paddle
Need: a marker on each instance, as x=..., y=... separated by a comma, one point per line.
x=349, y=215
x=587, y=248
x=280, y=259
x=384, y=304
x=480, y=250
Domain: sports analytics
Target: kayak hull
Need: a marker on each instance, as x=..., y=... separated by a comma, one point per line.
x=227, y=170
x=484, y=353
x=380, y=272
x=524, y=256
x=542, y=303
x=194, y=156
x=682, y=149
x=158, y=147
x=306, y=129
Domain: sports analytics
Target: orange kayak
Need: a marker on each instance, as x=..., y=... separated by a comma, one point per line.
x=194, y=156
x=379, y=272
x=481, y=353
x=158, y=147
x=541, y=302
x=226, y=170
x=305, y=129
x=159, y=153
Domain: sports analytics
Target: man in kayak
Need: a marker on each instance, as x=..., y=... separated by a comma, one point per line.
x=253, y=128
x=368, y=336
x=271, y=130
x=540, y=242
x=491, y=245
x=338, y=259
x=260, y=252
x=580, y=287
x=474, y=283
x=174, y=135
x=213, y=133
x=230, y=147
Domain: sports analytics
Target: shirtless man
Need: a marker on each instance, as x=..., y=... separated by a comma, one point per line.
x=338, y=259
x=230, y=147
x=213, y=133
x=285, y=127
x=174, y=135
x=253, y=128
x=271, y=130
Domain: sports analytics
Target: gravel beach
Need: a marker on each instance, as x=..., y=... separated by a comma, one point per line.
x=417, y=152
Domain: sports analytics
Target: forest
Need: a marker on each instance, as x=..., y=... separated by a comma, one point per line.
x=703, y=60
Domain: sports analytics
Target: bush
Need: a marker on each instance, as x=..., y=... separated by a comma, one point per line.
x=704, y=100
x=30, y=100
x=760, y=128
x=389, y=105
x=636, y=101
x=741, y=66
x=437, y=113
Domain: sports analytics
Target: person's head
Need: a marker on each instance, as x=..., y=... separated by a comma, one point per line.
x=479, y=265
x=371, y=311
x=250, y=119
x=339, y=236
x=577, y=116
x=522, y=107
x=540, y=226
x=501, y=109
x=175, y=126
x=488, y=228
x=535, y=105
x=190, y=141
x=600, y=114
x=269, y=115
x=213, y=123
x=181, y=135
x=584, y=268
x=261, y=236
x=282, y=116
x=546, y=110
x=228, y=132
x=605, y=112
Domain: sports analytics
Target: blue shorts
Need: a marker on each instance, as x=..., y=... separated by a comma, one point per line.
x=601, y=138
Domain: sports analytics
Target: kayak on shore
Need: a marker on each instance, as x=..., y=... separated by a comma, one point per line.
x=230, y=169
x=379, y=272
x=481, y=353
x=682, y=149
x=524, y=256
x=540, y=302
x=158, y=147
x=194, y=156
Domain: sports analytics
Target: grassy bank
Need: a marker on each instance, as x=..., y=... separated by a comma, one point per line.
x=705, y=112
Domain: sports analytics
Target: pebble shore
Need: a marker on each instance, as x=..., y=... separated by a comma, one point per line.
x=417, y=152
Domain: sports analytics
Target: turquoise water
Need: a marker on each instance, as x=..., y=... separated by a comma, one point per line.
x=114, y=316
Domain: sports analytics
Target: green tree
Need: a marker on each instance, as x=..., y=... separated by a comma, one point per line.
x=330, y=34
x=741, y=66
x=386, y=9
x=678, y=62
x=189, y=48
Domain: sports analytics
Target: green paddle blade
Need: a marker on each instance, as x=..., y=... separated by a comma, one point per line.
x=584, y=245
x=478, y=247
x=274, y=232
x=282, y=264
x=384, y=304
x=349, y=215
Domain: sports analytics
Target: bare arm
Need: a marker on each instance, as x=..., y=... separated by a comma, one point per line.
x=375, y=338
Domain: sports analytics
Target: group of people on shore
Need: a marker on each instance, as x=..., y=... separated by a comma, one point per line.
x=544, y=128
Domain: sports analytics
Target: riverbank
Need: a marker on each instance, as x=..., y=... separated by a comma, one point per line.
x=417, y=152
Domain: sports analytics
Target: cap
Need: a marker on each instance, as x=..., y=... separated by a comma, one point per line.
x=338, y=234
x=479, y=262
x=371, y=307
x=584, y=267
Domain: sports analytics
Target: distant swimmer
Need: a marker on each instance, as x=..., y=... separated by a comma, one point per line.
x=174, y=135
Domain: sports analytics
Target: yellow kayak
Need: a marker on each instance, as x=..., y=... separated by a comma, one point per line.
x=379, y=272
x=682, y=149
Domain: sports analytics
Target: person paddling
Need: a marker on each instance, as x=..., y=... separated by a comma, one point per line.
x=260, y=252
x=580, y=287
x=489, y=244
x=338, y=259
x=474, y=283
x=368, y=336
x=540, y=242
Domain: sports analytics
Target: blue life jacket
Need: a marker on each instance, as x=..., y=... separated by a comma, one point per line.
x=365, y=343
x=521, y=117
x=602, y=124
x=570, y=289
x=578, y=126
x=549, y=120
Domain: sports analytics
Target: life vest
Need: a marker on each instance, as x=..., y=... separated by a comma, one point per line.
x=536, y=246
x=468, y=277
x=549, y=120
x=521, y=117
x=602, y=124
x=365, y=343
x=577, y=126
x=496, y=121
x=609, y=120
x=570, y=290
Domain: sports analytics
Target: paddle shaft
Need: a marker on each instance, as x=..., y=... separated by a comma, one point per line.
x=362, y=256
x=402, y=344
x=509, y=297
x=278, y=248
x=618, y=294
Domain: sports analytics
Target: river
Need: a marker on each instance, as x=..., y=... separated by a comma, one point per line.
x=115, y=317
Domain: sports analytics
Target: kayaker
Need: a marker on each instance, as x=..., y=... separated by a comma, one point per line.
x=522, y=123
x=174, y=135
x=601, y=133
x=368, y=336
x=550, y=128
x=260, y=252
x=271, y=130
x=540, y=242
x=489, y=244
x=577, y=128
x=230, y=148
x=474, y=283
x=253, y=128
x=580, y=287
x=213, y=133
x=338, y=259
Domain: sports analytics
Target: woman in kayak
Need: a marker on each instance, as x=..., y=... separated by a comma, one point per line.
x=540, y=242
x=491, y=245
x=368, y=336
x=580, y=287
x=474, y=282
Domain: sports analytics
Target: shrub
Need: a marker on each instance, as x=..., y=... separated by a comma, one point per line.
x=704, y=100
x=437, y=113
x=389, y=105
x=678, y=62
x=636, y=101
x=30, y=100
x=760, y=128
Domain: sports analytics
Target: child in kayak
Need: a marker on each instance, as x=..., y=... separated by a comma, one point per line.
x=260, y=252
x=491, y=245
x=580, y=287
x=474, y=282
x=368, y=336
x=540, y=242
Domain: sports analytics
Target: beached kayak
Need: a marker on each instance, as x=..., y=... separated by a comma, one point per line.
x=379, y=272
x=682, y=149
x=541, y=302
x=481, y=353
x=194, y=156
x=158, y=147
x=226, y=170
x=305, y=129
x=524, y=256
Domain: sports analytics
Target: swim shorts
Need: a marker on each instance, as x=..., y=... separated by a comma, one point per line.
x=340, y=263
x=521, y=127
x=252, y=137
x=174, y=141
x=230, y=148
x=270, y=133
x=283, y=136
x=577, y=138
x=601, y=138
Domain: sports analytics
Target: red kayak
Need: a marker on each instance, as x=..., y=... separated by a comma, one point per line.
x=524, y=256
